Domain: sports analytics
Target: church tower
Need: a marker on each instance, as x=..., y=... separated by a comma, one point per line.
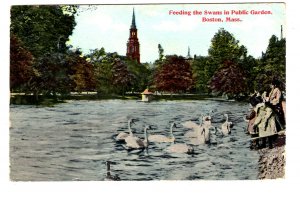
x=133, y=45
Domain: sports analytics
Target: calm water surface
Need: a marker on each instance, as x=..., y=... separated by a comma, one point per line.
x=72, y=141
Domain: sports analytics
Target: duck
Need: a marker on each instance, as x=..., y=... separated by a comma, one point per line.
x=162, y=138
x=133, y=142
x=226, y=126
x=121, y=136
x=180, y=148
x=110, y=177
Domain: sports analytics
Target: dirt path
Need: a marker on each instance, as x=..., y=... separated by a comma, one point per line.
x=272, y=161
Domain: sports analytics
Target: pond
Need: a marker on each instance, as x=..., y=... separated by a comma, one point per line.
x=72, y=142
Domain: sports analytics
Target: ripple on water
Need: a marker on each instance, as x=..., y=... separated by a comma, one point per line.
x=72, y=141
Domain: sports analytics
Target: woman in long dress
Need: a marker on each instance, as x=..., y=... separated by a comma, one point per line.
x=265, y=122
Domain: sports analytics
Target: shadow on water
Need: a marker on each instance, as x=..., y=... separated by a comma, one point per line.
x=72, y=141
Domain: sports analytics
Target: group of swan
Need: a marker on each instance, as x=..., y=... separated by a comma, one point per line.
x=174, y=147
x=199, y=135
x=121, y=136
x=134, y=142
x=201, y=132
x=163, y=138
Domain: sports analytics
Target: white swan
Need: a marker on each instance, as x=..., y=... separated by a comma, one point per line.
x=203, y=135
x=180, y=148
x=226, y=126
x=110, y=177
x=195, y=128
x=162, y=138
x=200, y=133
x=133, y=142
x=121, y=136
x=206, y=120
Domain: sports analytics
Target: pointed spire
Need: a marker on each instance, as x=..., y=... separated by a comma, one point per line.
x=189, y=54
x=281, y=34
x=133, y=21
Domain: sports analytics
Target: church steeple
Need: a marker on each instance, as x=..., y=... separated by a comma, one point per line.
x=133, y=26
x=133, y=45
x=189, y=53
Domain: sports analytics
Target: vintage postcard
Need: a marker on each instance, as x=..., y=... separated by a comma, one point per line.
x=147, y=92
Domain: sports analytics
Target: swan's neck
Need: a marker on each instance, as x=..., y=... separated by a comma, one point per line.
x=171, y=131
x=146, y=135
x=108, y=167
x=129, y=128
x=226, y=118
x=201, y=120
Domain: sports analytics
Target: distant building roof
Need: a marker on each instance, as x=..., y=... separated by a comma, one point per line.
x=146, y=91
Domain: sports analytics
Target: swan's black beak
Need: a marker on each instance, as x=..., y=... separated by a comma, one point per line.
x=176, y=126
x=208, y=118
x=110, y=162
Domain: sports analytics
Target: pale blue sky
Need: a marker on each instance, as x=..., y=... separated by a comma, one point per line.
x=108, y=27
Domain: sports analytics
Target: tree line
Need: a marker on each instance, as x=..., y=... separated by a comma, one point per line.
x=41, y=63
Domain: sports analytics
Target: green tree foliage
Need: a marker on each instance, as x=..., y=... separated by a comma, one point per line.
x=200, y=73
x=108, y=78
x=161, y=56
x=81, y=73
x=227, y=57
x=62, y=73
x=175, y=75
x=160, y=53
x=272, y=64
x=51, y=76
x=43, y=28
x=103, y=65
x=141, y=75
x=224, y=47
x=44, y=31
x=21, y=61
x=249, y=63
x=230, y=79
x=122, y=78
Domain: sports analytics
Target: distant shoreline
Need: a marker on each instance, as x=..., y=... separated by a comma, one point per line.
x=22, y=99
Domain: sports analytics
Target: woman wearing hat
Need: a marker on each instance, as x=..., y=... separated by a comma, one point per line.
x=275, y=102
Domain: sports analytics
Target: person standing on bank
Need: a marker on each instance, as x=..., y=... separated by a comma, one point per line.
x=250, y=117
x=275, y=101
x=265, y=122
